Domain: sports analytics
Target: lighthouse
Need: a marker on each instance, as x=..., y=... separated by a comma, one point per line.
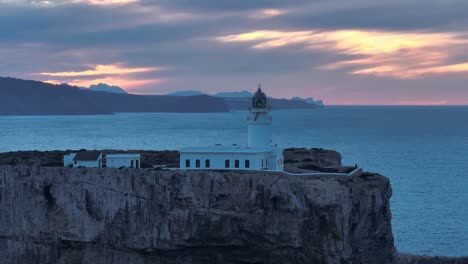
x=258, y=154
x=259, y=121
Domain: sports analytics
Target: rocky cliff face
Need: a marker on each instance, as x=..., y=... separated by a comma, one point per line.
x=66, y=215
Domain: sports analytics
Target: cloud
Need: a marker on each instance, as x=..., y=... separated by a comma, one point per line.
x=267, y=13
x=224, y=6
x=118, y=75
x=379, y=53
x=127, y=83
x=389, y=50
x=102, y=70
x=53, y=3
x=110, y=2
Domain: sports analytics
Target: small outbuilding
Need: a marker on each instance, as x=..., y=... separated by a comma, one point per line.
x=123, y=160
x=90, y=159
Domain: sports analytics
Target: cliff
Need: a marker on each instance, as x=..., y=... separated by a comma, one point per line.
x=79, y=215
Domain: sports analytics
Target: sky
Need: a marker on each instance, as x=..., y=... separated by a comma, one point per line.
x=365, y=52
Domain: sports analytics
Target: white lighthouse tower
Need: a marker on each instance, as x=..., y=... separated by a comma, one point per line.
x=259, y=154
x=259, y=122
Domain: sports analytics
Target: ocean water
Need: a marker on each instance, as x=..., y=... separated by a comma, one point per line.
x=423, y=150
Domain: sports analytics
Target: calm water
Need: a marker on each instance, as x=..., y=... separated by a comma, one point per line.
x=423, y=150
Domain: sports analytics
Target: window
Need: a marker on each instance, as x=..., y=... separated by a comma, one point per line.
x=266, y=162
x=236, y=163
x=226, y=164
x=197, y=163
x=131, y=164
x=187, y=163
x=247, y=164
x=262, y=163
x=207, y=163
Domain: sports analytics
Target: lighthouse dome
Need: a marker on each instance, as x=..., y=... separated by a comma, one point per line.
x=259, y=100
x=259, y=94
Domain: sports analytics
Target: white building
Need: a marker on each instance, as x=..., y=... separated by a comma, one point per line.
x=123, y=160
x=90, y=159
x=94, y=159
x=259, y=154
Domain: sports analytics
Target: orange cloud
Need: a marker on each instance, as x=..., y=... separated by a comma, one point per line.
x=126, y=83
x=102, y=70
x=380, y=53
x=116, y=74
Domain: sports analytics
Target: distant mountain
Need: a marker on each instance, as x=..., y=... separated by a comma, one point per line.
x=276, y=104
x=319, y=103
x=21, y=97
x=186, y=93
x=309, y=100
x=241, y=100
x=102, y=87
x=242, y=94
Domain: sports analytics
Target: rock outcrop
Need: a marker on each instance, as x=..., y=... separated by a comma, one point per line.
x=80, y=215
x=296, y=159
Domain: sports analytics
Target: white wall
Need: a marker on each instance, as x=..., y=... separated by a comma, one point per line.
x=276, y=159
x=89, y=164
x=217, y=160
x=259, y=132
x=68, y=159
x=259, y=135
x=112, y=162
x=271, y=160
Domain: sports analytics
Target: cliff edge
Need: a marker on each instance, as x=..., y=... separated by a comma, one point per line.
x=80, y=215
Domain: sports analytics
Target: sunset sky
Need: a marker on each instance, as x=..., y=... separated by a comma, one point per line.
x=392, y=52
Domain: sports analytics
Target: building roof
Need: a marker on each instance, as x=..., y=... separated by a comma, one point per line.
x=123, y=156
x=87, y=156
x=226, y=149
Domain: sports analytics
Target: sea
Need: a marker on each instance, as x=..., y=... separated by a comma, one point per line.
x=422, y=149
